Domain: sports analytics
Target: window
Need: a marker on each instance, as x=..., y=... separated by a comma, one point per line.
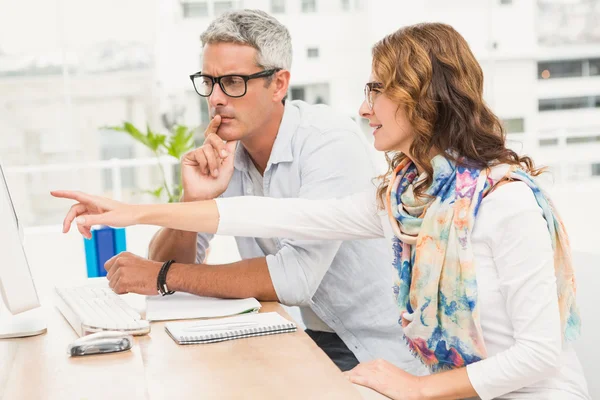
x=309, y=6
x=514, y=125
x=319, y=94
x=119, y=145
x=277, y=6
x=583, y=139
x=345, y=5
x=195, y=9
x=312, y=52
x=298, y=93
x=222, y=6
x=595, y=67
x=101, y=89
x=127, y=174
x=548, y=142
x=560, y=69
x=595, y=169
x=315, y=93
x=568, y=103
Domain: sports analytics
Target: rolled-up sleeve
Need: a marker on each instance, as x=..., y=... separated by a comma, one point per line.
x=298, y=268
x=202, y=243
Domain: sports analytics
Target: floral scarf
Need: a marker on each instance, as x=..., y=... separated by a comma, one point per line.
x=436, y=282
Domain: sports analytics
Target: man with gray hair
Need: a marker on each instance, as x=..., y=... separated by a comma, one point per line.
x=280, y=149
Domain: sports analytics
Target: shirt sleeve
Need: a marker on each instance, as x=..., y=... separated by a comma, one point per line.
x=351, y=217
x=332, y=164
x=202, y=243
x=517, y=234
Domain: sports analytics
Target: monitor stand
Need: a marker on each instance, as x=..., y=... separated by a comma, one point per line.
x=28, y=323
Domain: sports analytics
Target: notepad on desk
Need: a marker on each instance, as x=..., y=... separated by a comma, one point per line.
x=218, y=330
x=188, y=306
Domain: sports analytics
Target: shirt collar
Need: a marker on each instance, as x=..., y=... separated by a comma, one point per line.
x=282, y=148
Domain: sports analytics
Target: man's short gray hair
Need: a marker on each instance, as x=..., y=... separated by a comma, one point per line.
x=254, y=28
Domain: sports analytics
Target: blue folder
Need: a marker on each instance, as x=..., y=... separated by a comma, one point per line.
x=105, y=247
x=120, y=240
x=105, y=243
x=91, y=256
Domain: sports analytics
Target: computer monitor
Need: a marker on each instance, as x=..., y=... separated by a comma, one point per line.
x=17, y=290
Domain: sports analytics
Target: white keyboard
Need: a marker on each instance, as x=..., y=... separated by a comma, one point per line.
x=93, y=309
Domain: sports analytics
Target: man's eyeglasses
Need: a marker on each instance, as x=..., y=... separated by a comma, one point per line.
x=231, y=85
x=371, y=89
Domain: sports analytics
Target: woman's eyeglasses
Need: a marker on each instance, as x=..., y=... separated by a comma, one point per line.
x=372, y=89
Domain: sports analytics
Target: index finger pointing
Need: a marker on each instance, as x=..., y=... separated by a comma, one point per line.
x=69, y=194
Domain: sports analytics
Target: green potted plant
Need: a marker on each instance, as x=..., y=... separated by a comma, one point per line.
x=179, y=141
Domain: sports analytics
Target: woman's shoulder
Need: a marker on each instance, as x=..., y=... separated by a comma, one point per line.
x=511, y=192
x=508, y=200
x=510, y=214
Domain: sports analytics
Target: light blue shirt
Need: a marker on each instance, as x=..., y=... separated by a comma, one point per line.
x=319, y=154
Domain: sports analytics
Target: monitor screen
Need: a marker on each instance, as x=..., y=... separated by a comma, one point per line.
x=17, y=289
x=5, y=189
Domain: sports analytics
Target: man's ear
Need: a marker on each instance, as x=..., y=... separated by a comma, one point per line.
x=281, y=80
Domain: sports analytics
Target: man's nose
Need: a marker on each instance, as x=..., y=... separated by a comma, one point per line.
x=217, y=97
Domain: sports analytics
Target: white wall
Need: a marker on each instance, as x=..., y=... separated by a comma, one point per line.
x=585, y=119
x=510, y=85
x=569, y=87
x=586, y=272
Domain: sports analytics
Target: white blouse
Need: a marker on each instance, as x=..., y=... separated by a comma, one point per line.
x=515, y=279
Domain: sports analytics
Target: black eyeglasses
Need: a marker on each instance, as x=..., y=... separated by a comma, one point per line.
x=231, y=85
x=371, y=89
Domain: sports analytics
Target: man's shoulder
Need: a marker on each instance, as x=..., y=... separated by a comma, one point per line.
x=324, y=134
x=322, y=119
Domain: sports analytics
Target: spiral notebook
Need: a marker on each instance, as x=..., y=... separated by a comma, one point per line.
x=218, y=330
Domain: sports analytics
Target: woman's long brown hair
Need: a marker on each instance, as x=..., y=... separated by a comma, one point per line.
x=430, y=72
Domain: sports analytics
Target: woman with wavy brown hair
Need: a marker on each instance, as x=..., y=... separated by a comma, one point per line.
x=483, y=278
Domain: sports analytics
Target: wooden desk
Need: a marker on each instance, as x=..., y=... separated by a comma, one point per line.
x=285, y=366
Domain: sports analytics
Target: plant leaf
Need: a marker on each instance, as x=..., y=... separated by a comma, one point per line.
x=180, y=142
x=156, y=193
x=155, y=140
x=132, y=131
x=135, y=133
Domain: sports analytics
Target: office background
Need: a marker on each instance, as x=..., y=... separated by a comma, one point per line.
x=70, y=68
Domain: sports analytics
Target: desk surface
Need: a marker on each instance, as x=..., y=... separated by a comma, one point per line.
x=285, y=366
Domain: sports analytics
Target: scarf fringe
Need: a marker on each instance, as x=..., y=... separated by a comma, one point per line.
x=435, y=368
